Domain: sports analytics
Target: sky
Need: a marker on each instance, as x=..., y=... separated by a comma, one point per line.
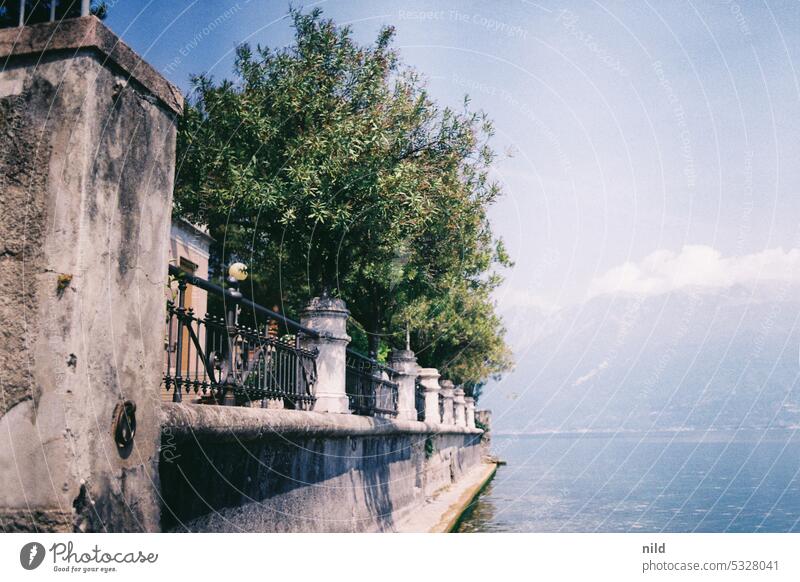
x=642, y=144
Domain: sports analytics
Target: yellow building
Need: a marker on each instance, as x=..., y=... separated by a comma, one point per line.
x=189, y=251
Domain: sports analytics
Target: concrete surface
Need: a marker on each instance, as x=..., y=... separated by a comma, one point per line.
x=86, y=175
x=441, y=513
x=259, y=470
x=69, y=36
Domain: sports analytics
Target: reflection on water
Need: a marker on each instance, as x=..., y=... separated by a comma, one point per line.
x=709, y=482
x=480, y=515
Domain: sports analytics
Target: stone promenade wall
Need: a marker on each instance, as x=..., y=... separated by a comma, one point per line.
x=243, y=469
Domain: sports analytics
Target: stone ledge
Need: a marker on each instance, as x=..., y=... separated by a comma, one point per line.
x=442, y=513
x=89, y=33
x=238, y=423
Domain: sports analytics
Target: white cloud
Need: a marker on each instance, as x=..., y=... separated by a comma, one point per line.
x=592, y=373
x=697, y=266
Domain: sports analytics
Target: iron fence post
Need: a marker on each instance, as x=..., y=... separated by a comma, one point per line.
x=177, y=391
x=233, y=297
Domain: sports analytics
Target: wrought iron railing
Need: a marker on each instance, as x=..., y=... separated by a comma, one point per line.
x=369, y=386
x=419, y=400
x=23, y=12
x=224, y=362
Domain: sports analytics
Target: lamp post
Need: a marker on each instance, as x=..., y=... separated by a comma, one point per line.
x=237, y=273
x=177, y=391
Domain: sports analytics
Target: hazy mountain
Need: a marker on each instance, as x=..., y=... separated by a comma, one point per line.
x=692, y=359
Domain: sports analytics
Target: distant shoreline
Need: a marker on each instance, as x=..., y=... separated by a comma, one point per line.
x=691, y=432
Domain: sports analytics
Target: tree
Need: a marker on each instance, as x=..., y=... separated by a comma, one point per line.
x=326, y=166
x=464, y=338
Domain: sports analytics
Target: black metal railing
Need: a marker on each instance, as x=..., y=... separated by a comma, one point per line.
x=419, y=400
x=369, y=386
x=224, y=362
x=22, y=12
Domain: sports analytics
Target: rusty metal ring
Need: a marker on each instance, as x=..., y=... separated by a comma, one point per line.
x=124, y=423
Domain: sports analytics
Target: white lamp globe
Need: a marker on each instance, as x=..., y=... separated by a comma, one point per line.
x=238, y=271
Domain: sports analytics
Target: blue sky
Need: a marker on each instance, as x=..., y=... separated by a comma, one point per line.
x=626, y=129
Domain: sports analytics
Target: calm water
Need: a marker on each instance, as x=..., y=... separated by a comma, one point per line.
x=742, y=482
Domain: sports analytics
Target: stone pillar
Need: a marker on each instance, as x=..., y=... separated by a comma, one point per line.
x=328, y=316
x=429, y=378
x=469, y=402
x=447, y=390
x=87, y=161
x=405, y=363
x=459, y=407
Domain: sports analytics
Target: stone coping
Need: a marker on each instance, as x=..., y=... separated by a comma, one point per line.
x=239, y=423
x=88, y=33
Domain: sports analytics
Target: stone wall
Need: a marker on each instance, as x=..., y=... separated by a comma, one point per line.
x=87, y=146
x=242, y=469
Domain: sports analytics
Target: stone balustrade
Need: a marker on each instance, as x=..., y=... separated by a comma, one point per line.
x=429, y=379
x=328, y=316
x=459, y=407
x=404, y=362
x=447, y=390
x=469, y=402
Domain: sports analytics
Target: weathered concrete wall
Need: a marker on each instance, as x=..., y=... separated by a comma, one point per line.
x=240, y=469
x=87, y=142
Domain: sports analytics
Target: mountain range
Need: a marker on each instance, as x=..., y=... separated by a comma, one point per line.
x=692, y=359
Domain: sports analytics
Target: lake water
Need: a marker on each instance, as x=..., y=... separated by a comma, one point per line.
x=670, y=482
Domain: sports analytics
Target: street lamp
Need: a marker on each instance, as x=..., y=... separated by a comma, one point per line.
x=238, y=271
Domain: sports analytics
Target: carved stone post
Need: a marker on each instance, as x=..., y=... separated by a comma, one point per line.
x=328, y=316
x=429, y=378
x=459, y=407
x=87, y=163
x=405, y=363
x=470, y=411
x=447, y=394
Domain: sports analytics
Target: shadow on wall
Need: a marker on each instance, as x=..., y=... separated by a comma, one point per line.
x=286, y=483
x=281, y=483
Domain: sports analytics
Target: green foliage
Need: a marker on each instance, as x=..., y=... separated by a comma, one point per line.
x=62, y=283
x=430, y=447
x=326, y=165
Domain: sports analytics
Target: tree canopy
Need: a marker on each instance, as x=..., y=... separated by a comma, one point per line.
x=326, y=165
